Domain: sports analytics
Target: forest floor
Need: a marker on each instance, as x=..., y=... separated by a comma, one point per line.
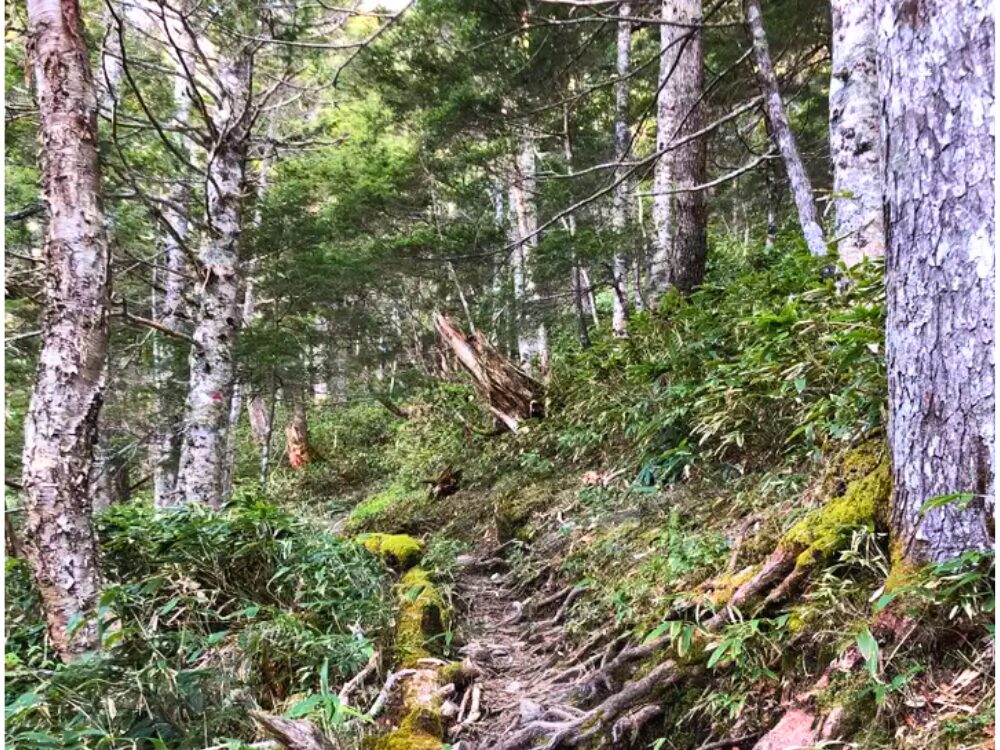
x=520, y=660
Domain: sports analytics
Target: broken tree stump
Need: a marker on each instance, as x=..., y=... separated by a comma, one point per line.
x=510, y=393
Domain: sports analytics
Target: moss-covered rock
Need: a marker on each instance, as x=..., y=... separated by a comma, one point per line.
x=422, y=616
x=398, y=550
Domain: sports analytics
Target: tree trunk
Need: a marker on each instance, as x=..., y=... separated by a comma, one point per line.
x=210, y=389
x=61, y=423
x=509, y=392
x=798, y=180
x=680, y=245
x=297, y=430
x=936, y=88
x=619, y=208
x=854, y=133
x=532, y=337
x=265, y=446
x=246, y=316
x=170, y=309
x=575, y=280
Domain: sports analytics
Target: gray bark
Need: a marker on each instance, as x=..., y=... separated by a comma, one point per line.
x=798, y=180
x=170, y=309
x=575, y=280
x=936, y=68
x=532, y=337
x=206, y=410
x=680, y=245
x=854, y=133
x=61, y=423
x=246, y=316
x=619, y=209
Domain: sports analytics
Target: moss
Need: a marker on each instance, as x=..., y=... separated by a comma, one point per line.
x=903, y=572
x=513, y=509
x=396, y=509
x=456, y=672
x=865, y=502
x=410, y=736
x=800, y=618
x=727, y=584
x=422, y=614
x=399, y=550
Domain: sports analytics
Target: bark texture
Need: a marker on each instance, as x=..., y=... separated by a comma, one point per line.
x=60, y=427
x=619, y=209
x=510, y=393
x=936, y=67
x=206, y=412
x=170, y=309
x=297, y=429
x=854, y=133
x=532, y=337
x=680, y=245
x=798, y=180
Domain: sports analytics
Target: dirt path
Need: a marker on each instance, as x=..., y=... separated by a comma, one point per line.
x=521, y=659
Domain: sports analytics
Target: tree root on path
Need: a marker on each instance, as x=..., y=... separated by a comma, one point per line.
x=595, y=721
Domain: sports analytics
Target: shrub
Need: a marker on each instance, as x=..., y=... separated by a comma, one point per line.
x=212, y=614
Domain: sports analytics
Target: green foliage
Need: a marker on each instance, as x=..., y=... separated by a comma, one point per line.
x=209, y=614
x=766, y=360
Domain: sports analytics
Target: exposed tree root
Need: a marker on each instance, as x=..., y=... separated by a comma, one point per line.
x=598, y=719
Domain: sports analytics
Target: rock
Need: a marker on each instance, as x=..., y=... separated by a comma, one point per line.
x=514, y=687
x=530, y=711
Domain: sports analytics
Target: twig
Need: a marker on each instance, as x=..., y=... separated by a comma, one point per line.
x=358, y=680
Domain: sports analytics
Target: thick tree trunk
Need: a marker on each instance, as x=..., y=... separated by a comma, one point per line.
x=798, y=180
x=210, y=389
x=936, y=67
x=680, y=245
x=854, y=133
x=60, y=426
x=170, y=309
x=619, y=209
x=532, y=336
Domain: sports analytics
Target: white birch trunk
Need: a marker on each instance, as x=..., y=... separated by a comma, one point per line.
x=532, y=337
x=619, y=208
x=206, y=411
x=246, y=316
x=170, y=310
x=936, y=61
x=798, y=180
x=854, y=133
x=61, y=423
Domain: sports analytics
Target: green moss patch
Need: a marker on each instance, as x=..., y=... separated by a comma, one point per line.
x=864, y=503
x=422, y=615
x=398, y=550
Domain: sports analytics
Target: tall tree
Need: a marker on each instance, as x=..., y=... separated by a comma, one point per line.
x=781, y=130
x=171, y=279
x=532, y=336
x=619, y=210
x=854, y=133
x=680, y=242
x=940, y=269
x=206, y=413
x=60, y=428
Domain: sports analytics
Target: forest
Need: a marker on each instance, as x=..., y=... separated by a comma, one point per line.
x=499, y=374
